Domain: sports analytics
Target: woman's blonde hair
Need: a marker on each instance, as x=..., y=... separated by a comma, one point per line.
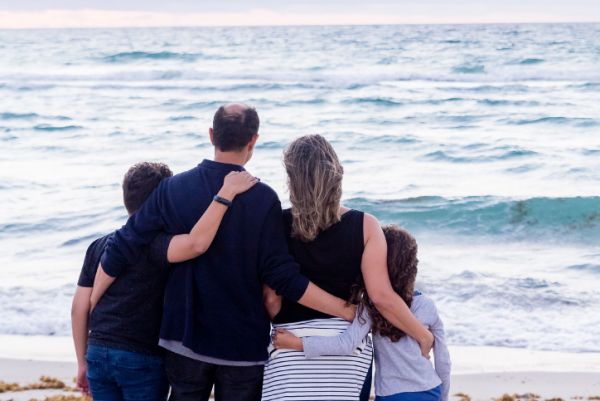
x=315, y=184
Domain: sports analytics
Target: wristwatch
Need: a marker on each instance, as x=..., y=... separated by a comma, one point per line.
x=222, y=201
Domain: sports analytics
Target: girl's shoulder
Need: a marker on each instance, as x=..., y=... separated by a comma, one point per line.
x=422, y=305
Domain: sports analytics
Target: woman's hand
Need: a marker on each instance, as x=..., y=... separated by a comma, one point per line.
x=285, y=339
x=237, y=182
x=426, y=344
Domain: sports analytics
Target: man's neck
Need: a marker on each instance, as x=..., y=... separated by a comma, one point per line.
x=238, y=158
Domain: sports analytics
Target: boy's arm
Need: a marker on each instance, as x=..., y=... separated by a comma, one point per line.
x=280, y=272
x=188, y=246
x=441, y=355
x=80, y=310
x=342, y=344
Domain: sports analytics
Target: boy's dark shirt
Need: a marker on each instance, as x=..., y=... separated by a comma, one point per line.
x=213, y=303
x=128, y=315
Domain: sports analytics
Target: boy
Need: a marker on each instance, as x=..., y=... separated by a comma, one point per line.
x=117, y=346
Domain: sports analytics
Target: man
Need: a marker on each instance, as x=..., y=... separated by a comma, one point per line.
x=215, y=327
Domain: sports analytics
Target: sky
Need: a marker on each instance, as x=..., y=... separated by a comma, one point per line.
x=115, y=13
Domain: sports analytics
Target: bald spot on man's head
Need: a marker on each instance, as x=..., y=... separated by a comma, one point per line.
x=234, y=126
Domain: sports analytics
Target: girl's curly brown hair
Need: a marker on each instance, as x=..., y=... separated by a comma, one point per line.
x=402, y=268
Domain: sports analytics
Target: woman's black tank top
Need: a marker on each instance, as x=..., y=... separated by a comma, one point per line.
x=332, y=261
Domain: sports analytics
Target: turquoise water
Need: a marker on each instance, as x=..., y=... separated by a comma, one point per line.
x=481, y=139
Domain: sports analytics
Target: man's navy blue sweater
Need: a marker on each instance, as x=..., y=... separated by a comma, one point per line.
x=213, y=303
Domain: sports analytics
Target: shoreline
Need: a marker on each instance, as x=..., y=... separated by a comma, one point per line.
x=482, y=373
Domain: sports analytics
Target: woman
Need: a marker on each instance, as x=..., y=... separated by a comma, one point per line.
x=334, y=245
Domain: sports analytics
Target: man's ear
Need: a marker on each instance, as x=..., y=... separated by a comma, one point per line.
x=252, y=142
x=211, y=134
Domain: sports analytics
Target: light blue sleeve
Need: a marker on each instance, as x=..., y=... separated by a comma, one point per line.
x=342, y=344
x=440, y=352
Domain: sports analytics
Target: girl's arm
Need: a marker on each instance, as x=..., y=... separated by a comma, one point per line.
x=80, y=311
x=188, y=246
x=377, y=282
x=343, y=344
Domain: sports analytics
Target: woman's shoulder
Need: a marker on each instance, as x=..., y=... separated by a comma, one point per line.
x=352, y=213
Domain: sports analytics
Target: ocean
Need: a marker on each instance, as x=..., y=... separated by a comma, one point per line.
x=483, y=140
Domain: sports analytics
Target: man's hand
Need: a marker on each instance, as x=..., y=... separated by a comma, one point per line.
x=272, y=301
x=285, y=339
x=101, y=283
x=82, y=381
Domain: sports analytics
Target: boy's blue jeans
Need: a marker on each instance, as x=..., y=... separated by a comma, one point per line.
x=118, y=375
x=430, y=395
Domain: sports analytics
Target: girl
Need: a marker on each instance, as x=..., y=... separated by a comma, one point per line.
x=402, y=373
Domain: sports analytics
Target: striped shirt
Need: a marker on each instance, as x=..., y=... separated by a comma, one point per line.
x=289, y=376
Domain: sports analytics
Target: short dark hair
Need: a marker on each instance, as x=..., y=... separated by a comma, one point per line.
x=139, y=182
x=233, y=131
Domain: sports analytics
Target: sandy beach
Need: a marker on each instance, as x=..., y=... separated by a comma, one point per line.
x=481, y=373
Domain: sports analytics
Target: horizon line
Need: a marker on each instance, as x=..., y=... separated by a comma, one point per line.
x=574, y=22
x=102, y=19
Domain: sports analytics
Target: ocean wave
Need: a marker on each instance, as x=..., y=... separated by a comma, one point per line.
x=555, y=219
x=505, y=102
x=469, y=68
x=392, y=139
x=53, y=128
x=524, y=168
x=494, y=154
x=586, y=268
x=487, y=297
x=528, y=61
x=558, y=120
x=376, y=101
x=468, y=73
x=30, y=116
x=35, y=311
x=142, y=55
x=182, y=118
x=17, y=116
x=589, y=86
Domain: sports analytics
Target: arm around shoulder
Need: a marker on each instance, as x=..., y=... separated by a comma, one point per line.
x=126, y=245
x=343, y=344
x=380, y=290
x=188, y=246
